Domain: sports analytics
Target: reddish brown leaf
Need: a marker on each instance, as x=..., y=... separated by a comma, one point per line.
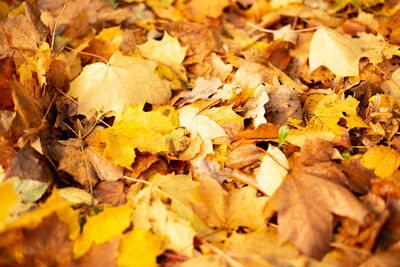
x=48, y=244
x=110, y=192
x=30, y=164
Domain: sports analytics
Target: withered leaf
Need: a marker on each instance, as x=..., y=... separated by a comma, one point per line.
x=305, y=203
x=30, y=164
x=48, y=244
x=200, y=39
x=110, y=192
x=83, y=162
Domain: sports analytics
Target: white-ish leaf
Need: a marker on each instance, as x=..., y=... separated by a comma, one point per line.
x=28, y=190
x=272, y=170
x=255, y=106
x=76, y=195
x=200, y=125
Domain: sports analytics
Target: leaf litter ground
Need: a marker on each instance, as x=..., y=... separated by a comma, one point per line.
x=193, y=133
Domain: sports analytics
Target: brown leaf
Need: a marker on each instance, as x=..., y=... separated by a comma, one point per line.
x=243, y=155
x=26, y=32
x=103, y=255
x=48, y=244
x=83, y=162
x=284, y=103
x=30, y=164
x=200, y=39
x=359, y=176
x=354, y=235
x=7, y=70
x=306, y=201
x=110, y=192
x=29, y=110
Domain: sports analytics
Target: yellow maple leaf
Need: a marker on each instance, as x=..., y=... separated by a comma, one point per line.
x=139, y=248
x=324, y=124
x=167, y=51
x=210, y=8
x=137, y=129
x=384, y=160
x=102, y=227
x=106, y=42
x=112, y=87
x=9, y=197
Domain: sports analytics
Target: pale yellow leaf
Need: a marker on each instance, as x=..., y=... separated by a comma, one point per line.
x=167, y=51
x=384, y=160
x=284, y=3
x=151, y=213
x=272, y=170
x=336, y=51
x=125, y=81
x=245, y=209
x=375, y=48
x=200, y=125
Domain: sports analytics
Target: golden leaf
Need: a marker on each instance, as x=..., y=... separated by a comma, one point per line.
x=102, y=227
x=139, y=249
x=383, y=160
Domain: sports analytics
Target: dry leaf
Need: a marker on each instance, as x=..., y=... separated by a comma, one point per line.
x=167, y=51
x=112, y=87
x=136, y=128
x=307, y=225
x=337, y=52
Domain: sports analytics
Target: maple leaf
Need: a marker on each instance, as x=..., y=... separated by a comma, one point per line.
x=111, y=222
x=335, y=51
x=181, y=190
x=167, y=51
x=137, y=129
x=238, y=208
x=301, y=221
x=328, y=112
x=84, y=162
x=152, y=214
x=375, y=48
x=139, y=248
x=383, y=160
x=106, y=42
x=201, y=9
x=112, y=87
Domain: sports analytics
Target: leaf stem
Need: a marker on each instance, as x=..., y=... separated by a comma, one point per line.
x=89, y=54
x=274, y=31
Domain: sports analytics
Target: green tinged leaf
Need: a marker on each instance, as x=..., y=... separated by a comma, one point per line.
x=283, y=133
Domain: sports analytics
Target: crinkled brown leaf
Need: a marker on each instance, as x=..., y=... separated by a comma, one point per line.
x=305, y=203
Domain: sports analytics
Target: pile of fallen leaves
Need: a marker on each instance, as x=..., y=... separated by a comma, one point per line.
x=199, y=133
